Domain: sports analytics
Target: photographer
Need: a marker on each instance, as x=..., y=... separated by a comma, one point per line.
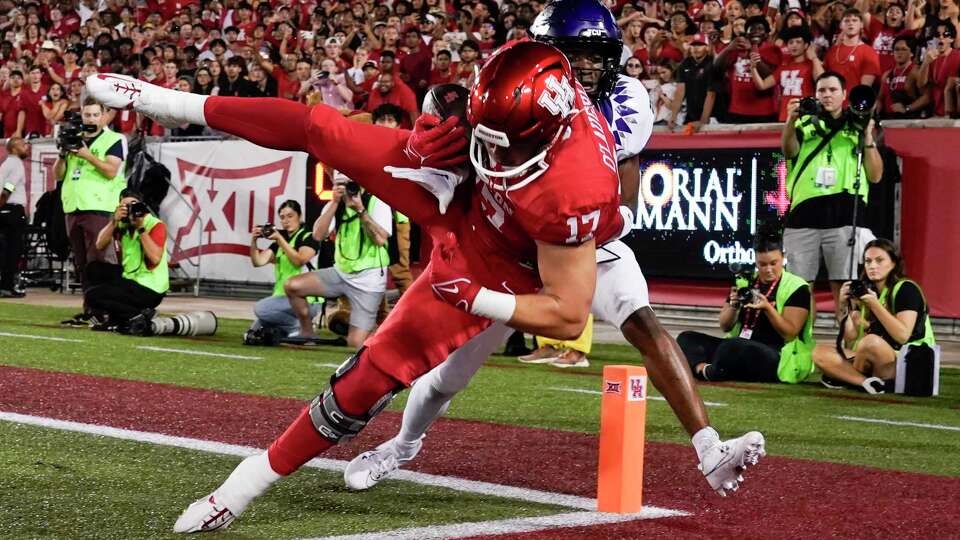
x=769, y=326
x=291, y=251
x=878, y=323
x=91, y=167
x=363, y=225
x=123, y=297
x=13, y=219
x=823, y=180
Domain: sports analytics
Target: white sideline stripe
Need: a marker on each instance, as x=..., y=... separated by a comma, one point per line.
x=597, y=393
x=508, y=526
x=199, y=353
x=898, y=423
x=48, y=338
x=321, y=364
x=458, y=484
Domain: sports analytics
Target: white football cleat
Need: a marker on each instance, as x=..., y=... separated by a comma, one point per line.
x=205, y=515
x=723, y=462
x=369, y=468
x=169, y=107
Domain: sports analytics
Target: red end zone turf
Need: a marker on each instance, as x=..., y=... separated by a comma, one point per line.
x=782, y=498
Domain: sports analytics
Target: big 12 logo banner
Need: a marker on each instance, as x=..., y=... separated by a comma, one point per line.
x=223, y=190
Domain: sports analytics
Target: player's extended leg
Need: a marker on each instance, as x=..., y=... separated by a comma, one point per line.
x=358, y=391
x=428, y=400
x=360, y=151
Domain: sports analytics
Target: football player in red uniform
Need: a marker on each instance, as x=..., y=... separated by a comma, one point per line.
x=518, y=248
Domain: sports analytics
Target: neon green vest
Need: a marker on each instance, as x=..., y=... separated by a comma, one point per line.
x=284, y=269
x=839, y=154
x=355, y=252
x=796, y=356
x=84, y=188
x=927, y=337
x=400, y=218
x=134, y=265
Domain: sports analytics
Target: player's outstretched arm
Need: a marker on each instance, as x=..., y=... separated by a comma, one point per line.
x=559, y=311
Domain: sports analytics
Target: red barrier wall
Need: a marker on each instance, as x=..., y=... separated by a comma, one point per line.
x=930, y=220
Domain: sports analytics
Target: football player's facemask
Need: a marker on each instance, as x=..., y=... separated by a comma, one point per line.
x=522, y=105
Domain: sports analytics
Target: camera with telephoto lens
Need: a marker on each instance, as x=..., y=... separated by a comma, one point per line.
x=859, y=287
x=352, y=188
x=136, y=210
x=809, y=107
x=267, y=230
x=743, y=276
x=70, y=133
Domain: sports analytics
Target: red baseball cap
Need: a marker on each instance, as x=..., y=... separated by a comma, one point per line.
x=700, y=38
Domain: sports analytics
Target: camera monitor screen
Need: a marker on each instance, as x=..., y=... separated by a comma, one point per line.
x=700, y=209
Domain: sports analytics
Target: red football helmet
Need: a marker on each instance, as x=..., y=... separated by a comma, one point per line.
x=524, y=96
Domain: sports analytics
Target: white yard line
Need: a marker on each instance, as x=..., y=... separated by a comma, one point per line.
x=199, y=353
x=47, y=338
x=898, y=423
x=508, y=526
x=458, y=484
x=597, y=393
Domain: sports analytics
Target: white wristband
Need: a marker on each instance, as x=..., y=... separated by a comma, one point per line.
x=494, y=305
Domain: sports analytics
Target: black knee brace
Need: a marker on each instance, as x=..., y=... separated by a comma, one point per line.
x=330, y=421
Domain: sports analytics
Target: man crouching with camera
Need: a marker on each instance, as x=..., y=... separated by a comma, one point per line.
x=363, y=225
x=91, y=168
x=769, y=327
x=123, y=298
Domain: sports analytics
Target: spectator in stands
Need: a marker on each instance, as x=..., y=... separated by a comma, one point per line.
x=696, y=85
x=747, y=103
x=769, y=338
x=14, y=106
x=821, y=180
x=469, y=63
x=292, y=250
x=884, y=313
x=389, y=89
x=124, y=297
x=856, y=61
x=667, y=103
x=363, y=225
x=883, y=29
x=333, y=87
x=203, y=84
x=233, y=81
x=13, y=220
x=54, y=105
x=443, y=71
x=657, y=46
x=940, y=64
x=69, y=70
x=794, y=78
x=901, y=94
x=415, y=65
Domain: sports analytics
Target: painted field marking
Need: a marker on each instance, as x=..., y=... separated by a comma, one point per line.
x=47, y=338
x=323, y=364
x=336, y=465
x=598, y=393
x=504, y=526
x=199, y=353
x=898, y=423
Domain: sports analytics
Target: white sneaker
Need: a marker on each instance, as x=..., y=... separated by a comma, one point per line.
x=169, y=107
x=723, y=462
x=369, y=468
x=874, y=385
x=205, y=515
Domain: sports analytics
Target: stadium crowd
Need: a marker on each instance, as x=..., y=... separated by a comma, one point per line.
x=727, y=61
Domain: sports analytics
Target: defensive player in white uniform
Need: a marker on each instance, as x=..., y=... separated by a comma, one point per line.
x=587, y=33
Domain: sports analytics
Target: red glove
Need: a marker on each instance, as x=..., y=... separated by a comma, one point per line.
x=449, y=277
x=436, y=144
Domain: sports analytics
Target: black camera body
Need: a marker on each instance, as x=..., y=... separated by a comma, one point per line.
x=267, y=230
x=136, y=210
x=70, y=134
x=745, y=295
x=352, y=188
x=743, y=276
x=859, y=287
x=809, y=106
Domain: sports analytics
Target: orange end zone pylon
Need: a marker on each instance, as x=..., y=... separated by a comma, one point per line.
x=623, y=418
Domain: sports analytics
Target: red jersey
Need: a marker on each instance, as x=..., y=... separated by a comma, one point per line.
x=33, y=105
x=667, y=50
x=745, y=98
x=881, y=37
x=944, y=67
x=853, y=62
x=894, y=83
x=794, y=80
x=401, y=95
x=436, y=77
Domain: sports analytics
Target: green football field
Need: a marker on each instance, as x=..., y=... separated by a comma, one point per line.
x=56, y=483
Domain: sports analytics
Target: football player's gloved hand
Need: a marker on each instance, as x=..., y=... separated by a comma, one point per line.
x=452, y=282
x=436, y=144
